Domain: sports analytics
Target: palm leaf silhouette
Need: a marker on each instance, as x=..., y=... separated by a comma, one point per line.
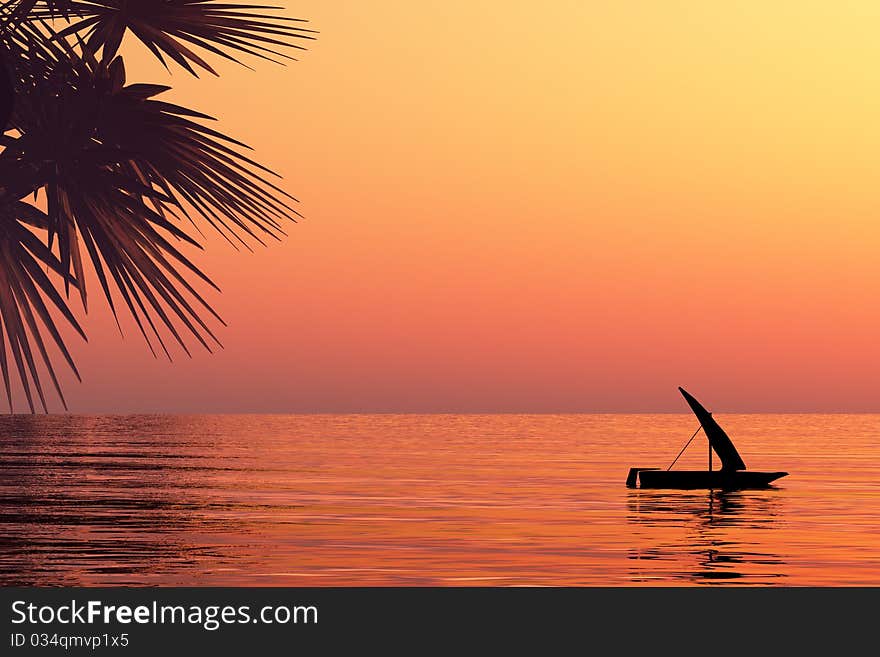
x=6, y=93
x=25, y=289
x=169, y=28
x=119, y=169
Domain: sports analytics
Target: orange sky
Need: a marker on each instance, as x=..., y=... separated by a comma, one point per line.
x=565, y=206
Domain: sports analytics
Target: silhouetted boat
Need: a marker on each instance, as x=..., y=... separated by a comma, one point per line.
x=733, y=472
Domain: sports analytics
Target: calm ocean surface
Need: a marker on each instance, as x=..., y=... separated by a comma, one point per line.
x=314, y=500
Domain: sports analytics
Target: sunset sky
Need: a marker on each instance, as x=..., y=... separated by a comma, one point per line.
x=540, y=207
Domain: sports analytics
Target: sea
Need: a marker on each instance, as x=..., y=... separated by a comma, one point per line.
x=430, y=500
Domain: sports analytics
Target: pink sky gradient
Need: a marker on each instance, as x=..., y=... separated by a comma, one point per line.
x=541, y=209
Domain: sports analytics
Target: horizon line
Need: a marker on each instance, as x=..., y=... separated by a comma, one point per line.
x=387, y=412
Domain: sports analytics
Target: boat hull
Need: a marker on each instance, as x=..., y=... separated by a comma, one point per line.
x=691, y=479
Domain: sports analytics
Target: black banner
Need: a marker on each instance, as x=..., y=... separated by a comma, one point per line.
x=134, y=621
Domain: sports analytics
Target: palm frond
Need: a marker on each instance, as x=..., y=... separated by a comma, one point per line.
x=13, y=12
x=94, y=205
x=28, y=300
x=172, y=150
x=170, y=28
x=119, y=169
x=6, y=93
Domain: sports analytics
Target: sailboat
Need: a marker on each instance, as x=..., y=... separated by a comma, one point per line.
x=732, y=475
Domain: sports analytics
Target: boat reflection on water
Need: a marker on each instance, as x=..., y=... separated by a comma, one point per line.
x=704, y=537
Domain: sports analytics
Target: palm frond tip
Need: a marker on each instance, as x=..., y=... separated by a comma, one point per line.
x=172, y=28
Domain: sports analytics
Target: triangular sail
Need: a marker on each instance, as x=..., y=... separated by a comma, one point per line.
x=720, y=442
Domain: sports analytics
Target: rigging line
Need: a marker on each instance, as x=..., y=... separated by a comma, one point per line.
x=685, y=447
